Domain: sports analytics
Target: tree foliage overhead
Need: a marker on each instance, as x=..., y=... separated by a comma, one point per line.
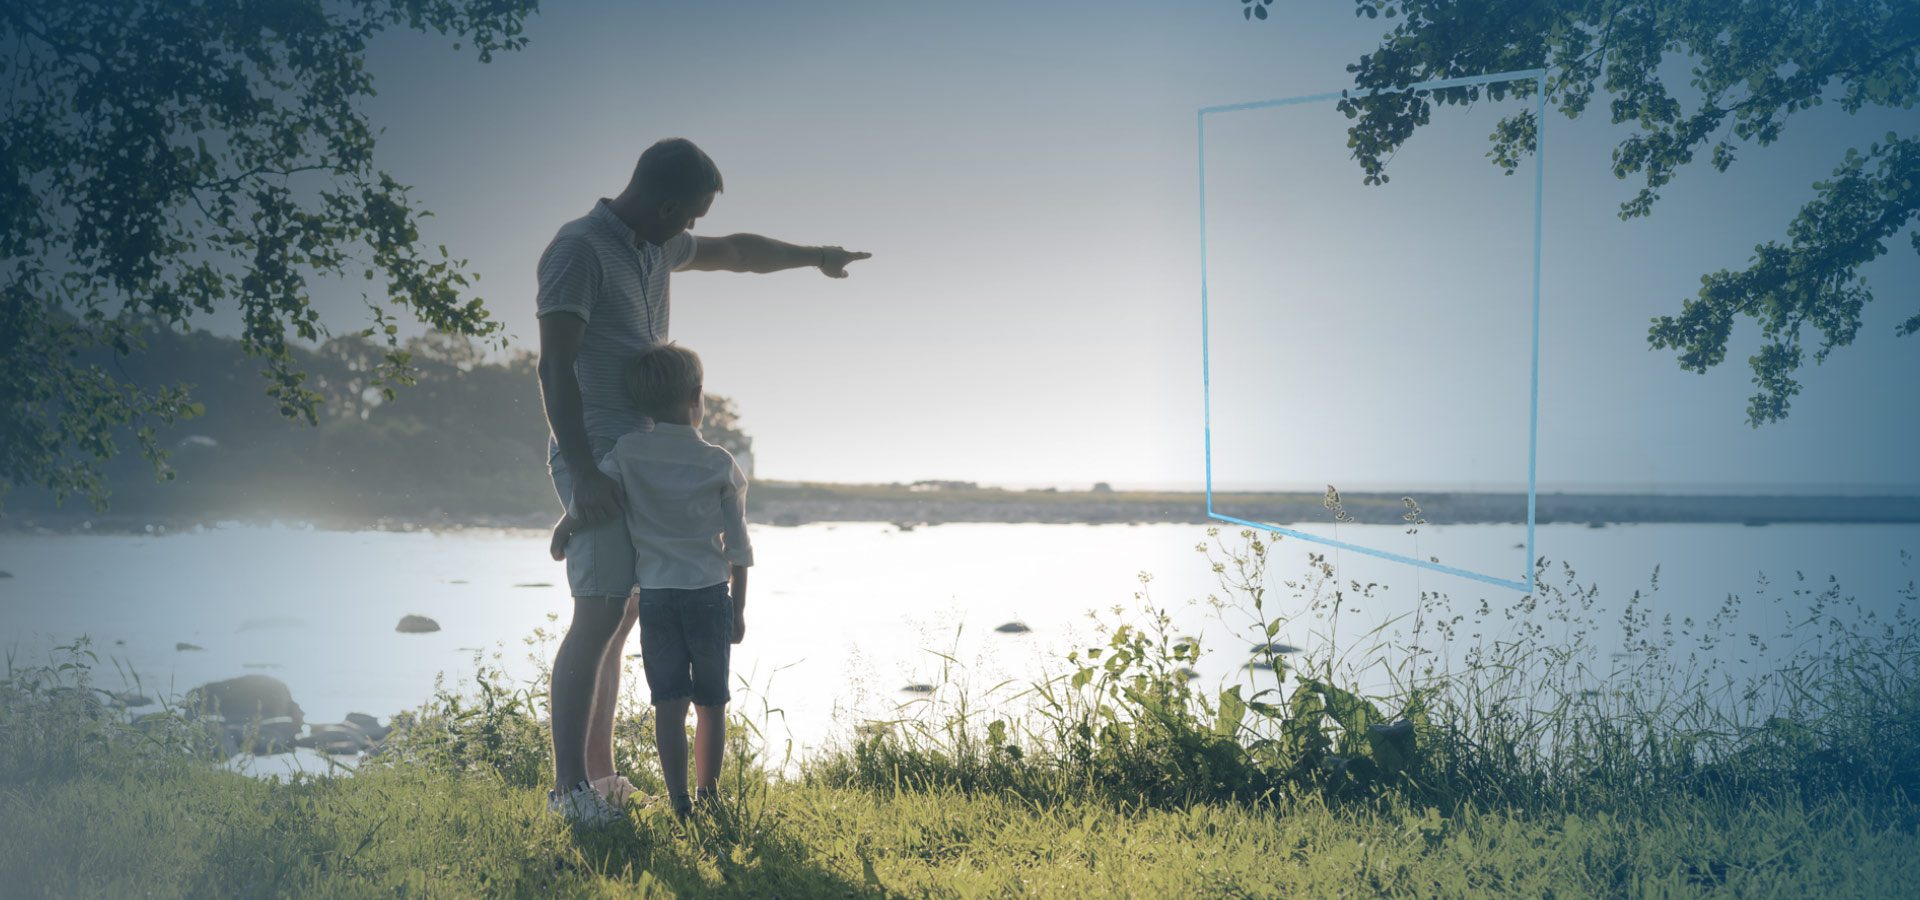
x=164, y=159
x=1752, y=65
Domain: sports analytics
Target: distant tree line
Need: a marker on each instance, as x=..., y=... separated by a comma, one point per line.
x=467, y=439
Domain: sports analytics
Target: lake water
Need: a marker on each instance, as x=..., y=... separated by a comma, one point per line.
x=841, y=616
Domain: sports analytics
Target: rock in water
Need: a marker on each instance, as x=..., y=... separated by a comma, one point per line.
x=183, y=645
x=243, y=699
x=1014, y=628
x=918, y=689
x=416, y=625
x=276, y=735
x=1277, y=649
x=5, y=574
x=339, y=740
x=368, y=725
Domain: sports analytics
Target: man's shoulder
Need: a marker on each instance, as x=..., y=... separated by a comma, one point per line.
x=581, y=233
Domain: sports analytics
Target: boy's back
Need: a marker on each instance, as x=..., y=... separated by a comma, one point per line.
x=685, y=507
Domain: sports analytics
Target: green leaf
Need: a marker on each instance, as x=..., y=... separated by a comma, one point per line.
x=1232, y=711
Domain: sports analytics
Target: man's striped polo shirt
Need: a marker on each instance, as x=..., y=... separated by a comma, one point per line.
x=597, y=269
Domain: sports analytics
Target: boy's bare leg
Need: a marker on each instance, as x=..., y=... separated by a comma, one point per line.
x=670, y=735
x=709, y=744
x=606, y=696
x=576, y=666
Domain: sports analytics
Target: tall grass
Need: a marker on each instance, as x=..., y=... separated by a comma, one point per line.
x=1514, y=707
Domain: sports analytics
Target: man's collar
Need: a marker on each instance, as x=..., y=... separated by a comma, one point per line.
x=675, y=428
x=603, y=213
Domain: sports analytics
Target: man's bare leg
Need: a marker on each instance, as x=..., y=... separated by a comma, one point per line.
x=606, y=696
x=709, y=744
x=576, y=666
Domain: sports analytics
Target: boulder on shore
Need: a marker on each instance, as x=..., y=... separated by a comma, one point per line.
x=243, y=699
x=416, y=625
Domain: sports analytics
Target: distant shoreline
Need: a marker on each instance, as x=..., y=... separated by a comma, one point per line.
x=792, y=504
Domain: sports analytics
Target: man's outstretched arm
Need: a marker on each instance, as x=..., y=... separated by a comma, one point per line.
x=753, y=253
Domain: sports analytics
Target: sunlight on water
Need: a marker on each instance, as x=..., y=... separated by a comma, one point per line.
x=841, y=618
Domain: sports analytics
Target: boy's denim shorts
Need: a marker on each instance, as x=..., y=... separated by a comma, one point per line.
x=600, y=557
x=686, y=640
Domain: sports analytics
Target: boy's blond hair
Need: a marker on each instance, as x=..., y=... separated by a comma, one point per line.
x=661, y=379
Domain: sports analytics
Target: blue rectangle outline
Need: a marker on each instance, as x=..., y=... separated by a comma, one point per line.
x=1525, y=582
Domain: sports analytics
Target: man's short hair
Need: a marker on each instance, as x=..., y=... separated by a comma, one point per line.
x=661, y=379
x=675, y=169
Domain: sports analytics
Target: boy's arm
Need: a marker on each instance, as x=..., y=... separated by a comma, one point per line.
x=733, y=507
x=739, y=592
x=734, y=543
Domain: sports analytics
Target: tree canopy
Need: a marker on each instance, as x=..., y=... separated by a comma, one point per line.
x=1754, y=64
x=164, y=159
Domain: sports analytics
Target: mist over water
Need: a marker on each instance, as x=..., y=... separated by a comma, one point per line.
x=842, y=616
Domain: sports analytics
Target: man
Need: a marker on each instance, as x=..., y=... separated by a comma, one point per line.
x=603, y=298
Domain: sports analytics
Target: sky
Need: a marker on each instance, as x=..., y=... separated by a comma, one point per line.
x=1026, y=176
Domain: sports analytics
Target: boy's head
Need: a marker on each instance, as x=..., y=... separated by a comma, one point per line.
x=664, y=383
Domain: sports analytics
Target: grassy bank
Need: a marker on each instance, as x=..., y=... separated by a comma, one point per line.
x=1507, y=777
x=184, y=832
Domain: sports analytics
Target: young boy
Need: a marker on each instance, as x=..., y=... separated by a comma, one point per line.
x=685, y=505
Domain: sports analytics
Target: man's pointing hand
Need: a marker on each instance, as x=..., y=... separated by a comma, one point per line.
x=833, y=260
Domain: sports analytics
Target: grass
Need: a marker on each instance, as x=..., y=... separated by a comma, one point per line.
x=1503, y=776
x=195, y=833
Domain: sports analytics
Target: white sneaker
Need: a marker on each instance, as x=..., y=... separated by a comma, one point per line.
x=583, y=806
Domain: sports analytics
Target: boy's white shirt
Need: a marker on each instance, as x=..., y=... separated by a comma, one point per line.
x=686, y=503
